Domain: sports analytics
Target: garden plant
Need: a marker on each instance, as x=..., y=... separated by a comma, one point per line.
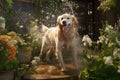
x=103, y=59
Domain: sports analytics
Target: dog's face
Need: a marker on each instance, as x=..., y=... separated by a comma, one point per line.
x=66, y=21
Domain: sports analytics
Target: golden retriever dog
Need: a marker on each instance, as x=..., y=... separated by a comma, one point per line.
x=64, y=35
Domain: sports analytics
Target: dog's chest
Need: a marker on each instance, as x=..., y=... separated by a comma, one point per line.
x=66, y=36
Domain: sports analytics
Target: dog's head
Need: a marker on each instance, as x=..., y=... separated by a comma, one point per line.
x=66, y=21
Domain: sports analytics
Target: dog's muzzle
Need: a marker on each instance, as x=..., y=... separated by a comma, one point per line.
x=64, y=23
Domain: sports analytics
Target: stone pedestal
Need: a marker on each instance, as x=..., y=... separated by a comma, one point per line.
x=52, y=72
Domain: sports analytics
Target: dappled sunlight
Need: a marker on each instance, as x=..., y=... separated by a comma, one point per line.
x=60, y=39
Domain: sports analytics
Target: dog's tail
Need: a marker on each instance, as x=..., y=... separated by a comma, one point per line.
x=44, y=28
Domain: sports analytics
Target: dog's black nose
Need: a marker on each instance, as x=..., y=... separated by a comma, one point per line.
x=64, y=23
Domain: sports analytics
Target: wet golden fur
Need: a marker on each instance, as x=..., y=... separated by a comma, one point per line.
x=63, y=35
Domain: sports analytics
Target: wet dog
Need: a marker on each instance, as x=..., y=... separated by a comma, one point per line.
x=63, y=35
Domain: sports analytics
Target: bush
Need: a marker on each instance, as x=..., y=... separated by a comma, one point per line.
x=106, y=65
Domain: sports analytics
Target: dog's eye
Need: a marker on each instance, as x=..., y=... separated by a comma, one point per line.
x=61, y=18
x=68, y=18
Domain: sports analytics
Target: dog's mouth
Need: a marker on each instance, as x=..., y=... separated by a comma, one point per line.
x=65, y=27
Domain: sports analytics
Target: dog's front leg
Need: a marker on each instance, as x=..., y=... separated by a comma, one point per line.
x=75, y=47
x=59, y=54
x=75, y=56
x=60, y=57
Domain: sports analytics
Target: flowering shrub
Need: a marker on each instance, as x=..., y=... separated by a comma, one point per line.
x=35, y=61
x=8, y=51
x=2, y=22
x=104, y=64
x=87, y=41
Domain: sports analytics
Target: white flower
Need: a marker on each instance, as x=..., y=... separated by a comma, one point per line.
x=108, y=28
x=108, y=60
x=37, y=59
x=110, y=44
x=2, y=22
x=118, y=69
x=106, y=40
x=53, y=15
x=101, y=39
x=116, y=53
x=36, y=20
x=34, y=62
x=47, y=17
x=85, y=44
x=117, y=41
x=64, y=0
x=87, y=40
x=2, y=18
x=21, y=26
x=42, y=11
x=13, y=42
x=48, y=13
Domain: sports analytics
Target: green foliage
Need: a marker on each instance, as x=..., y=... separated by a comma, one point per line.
x=110, y=5
x=7, y=5
x=8, y=53
x=2, y=26
x=25, y=43
x=24, y=69
x=107, y=61
x=8, y=13
x=52, y=4
x=46, y=6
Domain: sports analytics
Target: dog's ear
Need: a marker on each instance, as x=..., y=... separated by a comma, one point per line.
x=58, y=20
x=76, y=24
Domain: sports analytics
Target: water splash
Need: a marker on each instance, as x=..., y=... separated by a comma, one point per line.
x=69, y=4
